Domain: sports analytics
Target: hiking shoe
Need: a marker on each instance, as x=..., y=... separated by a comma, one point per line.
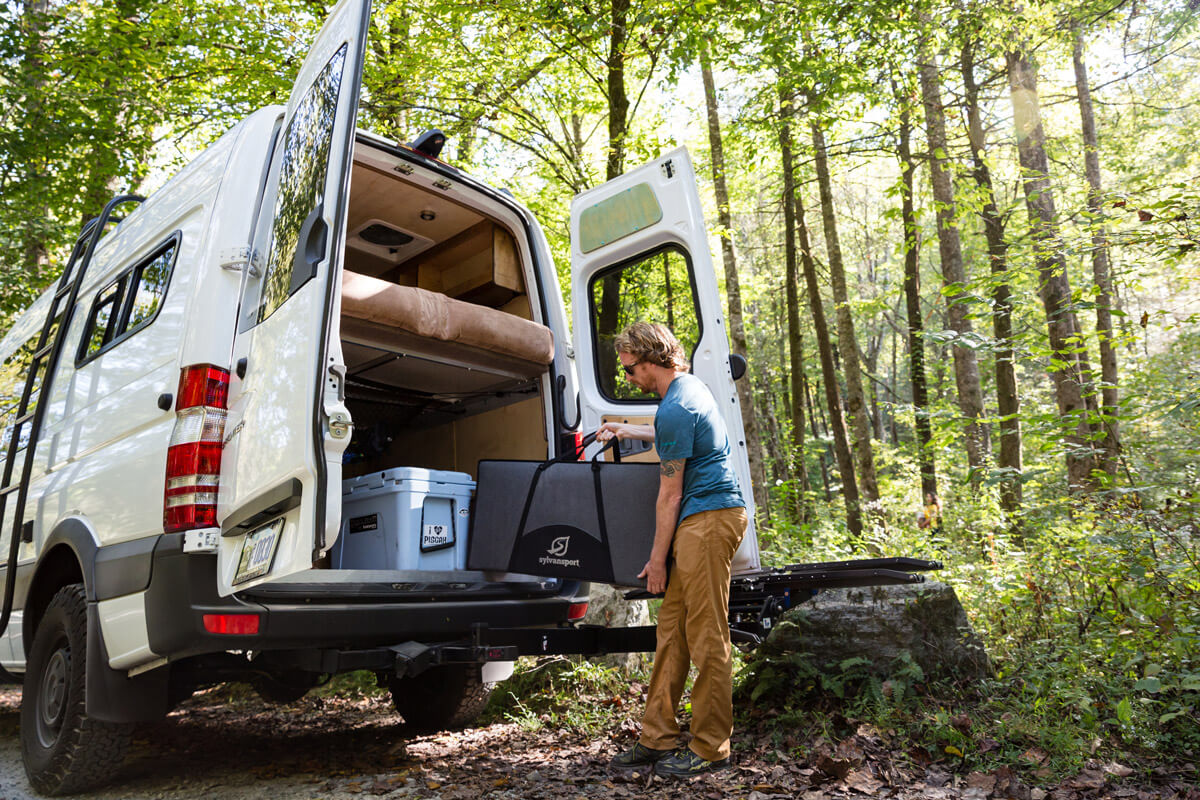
x=638, y=756
x=684, y=763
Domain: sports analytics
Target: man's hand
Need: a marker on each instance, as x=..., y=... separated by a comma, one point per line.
x=624, y=430
x=655, y=573
x=610, y=429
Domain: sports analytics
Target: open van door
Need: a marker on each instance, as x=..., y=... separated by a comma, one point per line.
x=280, y=493
x=639, y=251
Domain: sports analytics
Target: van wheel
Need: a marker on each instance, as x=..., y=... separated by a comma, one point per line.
x=64, y=750
x=442, y=698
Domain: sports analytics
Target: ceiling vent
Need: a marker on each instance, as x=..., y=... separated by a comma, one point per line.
x=386, y=241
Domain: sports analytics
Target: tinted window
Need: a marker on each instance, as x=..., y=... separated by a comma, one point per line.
x=103, y=319
x=129, y=303
x=651, y=288
x=302, y=172
x=149, y=288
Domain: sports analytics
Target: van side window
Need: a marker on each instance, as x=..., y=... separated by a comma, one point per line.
x=654, y=287
x=149, y=288
x=103, y=319
x=129, y=303
x=298, y=204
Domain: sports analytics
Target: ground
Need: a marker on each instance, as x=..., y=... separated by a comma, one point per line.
x=352, y=746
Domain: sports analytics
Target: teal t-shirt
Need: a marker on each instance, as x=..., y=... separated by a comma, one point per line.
x=689, y=426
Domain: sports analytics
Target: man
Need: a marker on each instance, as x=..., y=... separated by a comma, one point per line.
x=700, y=518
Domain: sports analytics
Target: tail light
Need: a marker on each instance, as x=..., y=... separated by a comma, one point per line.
x=231, y=624
x=194, y=455
x=579, y=445
x=577, y=611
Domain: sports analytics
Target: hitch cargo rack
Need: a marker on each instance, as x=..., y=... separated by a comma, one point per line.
x=756, y=601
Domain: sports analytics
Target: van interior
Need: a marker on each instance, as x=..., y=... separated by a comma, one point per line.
x=445, y=361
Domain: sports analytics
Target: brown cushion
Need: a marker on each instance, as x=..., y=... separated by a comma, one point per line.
x=436, y=316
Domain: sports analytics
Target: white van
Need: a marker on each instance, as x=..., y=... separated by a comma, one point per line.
x=302, y=310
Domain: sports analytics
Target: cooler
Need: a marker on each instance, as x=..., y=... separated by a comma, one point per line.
x=403, y=519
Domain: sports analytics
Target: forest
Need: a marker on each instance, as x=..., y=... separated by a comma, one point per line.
x=958, y=243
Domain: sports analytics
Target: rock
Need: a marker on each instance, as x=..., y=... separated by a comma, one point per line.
x=607, y=606
x=882, y=624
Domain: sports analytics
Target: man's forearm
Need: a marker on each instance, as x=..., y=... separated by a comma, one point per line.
x=666, y=514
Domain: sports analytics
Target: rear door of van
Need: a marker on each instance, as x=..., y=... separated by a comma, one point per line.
x=280, y=493
x=639, y=251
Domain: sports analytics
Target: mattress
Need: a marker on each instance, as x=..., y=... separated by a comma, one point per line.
x=385, y=314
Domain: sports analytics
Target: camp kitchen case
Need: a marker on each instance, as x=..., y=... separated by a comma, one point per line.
x=301, y=304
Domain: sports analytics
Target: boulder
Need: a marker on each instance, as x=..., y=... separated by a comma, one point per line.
x=607, y=606
x=881, y=624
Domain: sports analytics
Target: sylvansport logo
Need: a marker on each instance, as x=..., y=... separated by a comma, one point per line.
x=556, y=550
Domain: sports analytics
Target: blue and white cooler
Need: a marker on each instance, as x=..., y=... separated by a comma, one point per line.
x=406, y=518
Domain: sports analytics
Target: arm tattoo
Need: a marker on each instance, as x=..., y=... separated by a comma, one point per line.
x=669, y=468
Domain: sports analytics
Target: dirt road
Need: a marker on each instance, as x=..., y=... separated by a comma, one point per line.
x=344, y=747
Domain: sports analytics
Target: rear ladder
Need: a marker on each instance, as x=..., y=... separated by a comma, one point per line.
x=31, y=411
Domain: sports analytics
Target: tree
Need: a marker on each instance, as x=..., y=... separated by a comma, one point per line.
x=912, y=300
x=1110, y=417
x=794, y=224
x=733, y=292
x=966, y=366
x=1065, y=368
x=1007, y=396
x=856, y=403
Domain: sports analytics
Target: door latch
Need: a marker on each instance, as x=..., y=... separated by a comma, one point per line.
x=340, y=425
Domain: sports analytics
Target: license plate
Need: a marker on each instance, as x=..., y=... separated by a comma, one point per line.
x=434, y=537
x=258, y=552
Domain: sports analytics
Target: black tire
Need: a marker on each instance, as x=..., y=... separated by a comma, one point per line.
x=442, y=698
x=64, y=750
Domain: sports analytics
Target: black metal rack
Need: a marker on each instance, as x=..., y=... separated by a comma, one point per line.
x=31, y=411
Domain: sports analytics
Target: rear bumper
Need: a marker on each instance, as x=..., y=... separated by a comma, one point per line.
x=183, y=589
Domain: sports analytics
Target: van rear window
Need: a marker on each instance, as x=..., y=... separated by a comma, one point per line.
x=129, y=303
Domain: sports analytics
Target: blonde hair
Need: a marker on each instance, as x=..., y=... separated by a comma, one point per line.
x=653, y=343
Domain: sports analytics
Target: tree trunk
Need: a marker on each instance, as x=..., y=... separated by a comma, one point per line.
x=966, y=366
x=618, y=100
x=608, y=606
x=35, y=252
x=856, y=402
x=733, y=291
x=1110, y=439
x=794, y=221
x=916, y=325
x=1054, y=284
x=791, y=292
x=1007, y=398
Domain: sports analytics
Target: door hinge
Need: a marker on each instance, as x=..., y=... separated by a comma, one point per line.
x=236, y=259
x=340, y=425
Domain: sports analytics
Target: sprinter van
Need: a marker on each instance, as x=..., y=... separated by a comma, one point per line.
x=243, y=429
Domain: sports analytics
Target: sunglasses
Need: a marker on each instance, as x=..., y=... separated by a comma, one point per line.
x=629, y=368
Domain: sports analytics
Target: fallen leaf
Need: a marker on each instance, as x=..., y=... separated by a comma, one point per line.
x=863, y=781
x=981, y=780
x=1088, y=779
x=1035, y=755
x=1119, y=770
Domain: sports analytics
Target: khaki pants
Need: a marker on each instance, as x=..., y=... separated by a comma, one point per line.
x=693, y=624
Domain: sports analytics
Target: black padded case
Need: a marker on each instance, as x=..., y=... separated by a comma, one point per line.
x=543, y=518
